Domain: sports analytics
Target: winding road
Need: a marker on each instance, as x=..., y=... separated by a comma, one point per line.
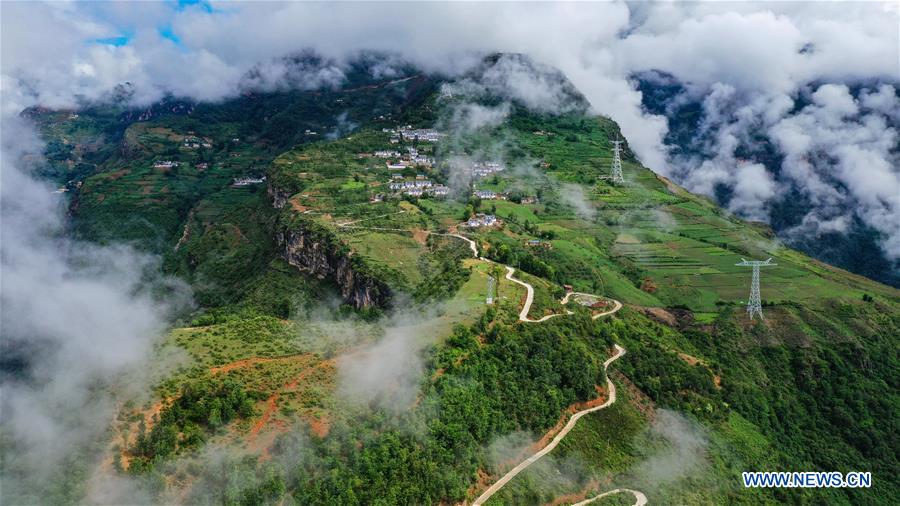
x=616, y=304
x=640, y=498
x=529, y=298
x=562, y=433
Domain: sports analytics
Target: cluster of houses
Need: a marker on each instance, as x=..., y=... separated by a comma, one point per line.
x=418, y=187
x=194, y=142
x=409, y=133
x=419, y=159
x=488, y=195
x=411, y=159
x=165, y=164
x=485, y=169
x=482, y=220
x=246, y=181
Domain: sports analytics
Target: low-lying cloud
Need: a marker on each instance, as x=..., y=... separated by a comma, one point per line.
x=74, y=316
x=388, y=372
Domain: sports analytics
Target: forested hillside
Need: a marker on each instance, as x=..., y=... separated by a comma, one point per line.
x=360, y=257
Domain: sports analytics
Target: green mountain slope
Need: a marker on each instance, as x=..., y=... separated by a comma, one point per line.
x=295, y=275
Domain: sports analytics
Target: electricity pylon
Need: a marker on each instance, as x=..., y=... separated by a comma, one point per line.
x=617, y=162
x=490, y=290
x=754, y=305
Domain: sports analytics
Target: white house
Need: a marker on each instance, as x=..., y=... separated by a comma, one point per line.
x=482, y=220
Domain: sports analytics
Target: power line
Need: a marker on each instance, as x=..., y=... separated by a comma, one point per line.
x=617, y=162
x=754, y=305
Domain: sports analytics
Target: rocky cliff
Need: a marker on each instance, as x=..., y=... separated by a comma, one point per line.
x=317, y=252
x=279, y=196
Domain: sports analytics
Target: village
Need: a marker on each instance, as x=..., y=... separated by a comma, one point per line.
x=409, y=133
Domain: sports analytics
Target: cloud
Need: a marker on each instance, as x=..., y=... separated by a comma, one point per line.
x=74, y=317
x=573, y=195
x=682, y=452
x=388, y=372
x=843, y=153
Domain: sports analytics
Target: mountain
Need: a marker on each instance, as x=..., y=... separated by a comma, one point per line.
x=855, y=246
x=343, y=350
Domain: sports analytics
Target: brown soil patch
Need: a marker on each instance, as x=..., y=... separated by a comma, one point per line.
x=239, y=364
x=648, y=285
x=118, y=174
x=272, y=401
x=320, y=426
x=576, y=496
x=483, y=480
x=126, y=437
x=420, y=236
x=574, y=408
x=689, y=359
x=694, y=361
x=297, y=206
x=271, y=405
x=659, y=314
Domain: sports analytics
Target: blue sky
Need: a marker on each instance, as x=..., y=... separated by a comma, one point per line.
x=165, y=30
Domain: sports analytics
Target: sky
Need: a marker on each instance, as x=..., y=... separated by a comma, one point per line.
x=817, y=78
x=748, y=61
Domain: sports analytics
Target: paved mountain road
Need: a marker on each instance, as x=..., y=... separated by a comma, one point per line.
x=562, y=433
x=641, y=499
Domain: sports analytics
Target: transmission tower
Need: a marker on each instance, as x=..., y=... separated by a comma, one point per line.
x=754, y=305
x=617, y=162
x=490, y=290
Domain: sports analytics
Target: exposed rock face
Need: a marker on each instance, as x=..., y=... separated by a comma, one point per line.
x=279, y=196
x=321, y=256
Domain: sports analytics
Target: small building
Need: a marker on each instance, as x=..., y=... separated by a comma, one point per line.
x=202, y=166
x=529, y=200
x=488, y=195
x=246, y=181
x=165, y=164
x=482, y=220
x=537, y=243
x=376, y=198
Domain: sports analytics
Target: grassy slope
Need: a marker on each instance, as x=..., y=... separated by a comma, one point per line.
x=810, y=389
x=681, y=250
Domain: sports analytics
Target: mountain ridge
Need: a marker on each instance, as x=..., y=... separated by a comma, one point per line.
x=804, y=389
